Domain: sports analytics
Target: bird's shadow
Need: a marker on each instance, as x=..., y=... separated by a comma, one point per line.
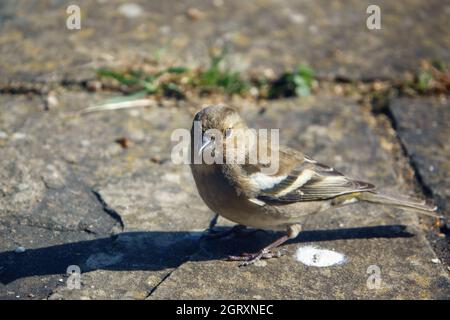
x=159, y=250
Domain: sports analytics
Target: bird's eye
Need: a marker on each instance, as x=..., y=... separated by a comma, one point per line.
x=228, y=132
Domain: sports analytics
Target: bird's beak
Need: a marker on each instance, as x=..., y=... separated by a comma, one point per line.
x=206, y=141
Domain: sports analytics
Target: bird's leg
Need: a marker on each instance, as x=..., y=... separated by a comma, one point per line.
x=266, y=252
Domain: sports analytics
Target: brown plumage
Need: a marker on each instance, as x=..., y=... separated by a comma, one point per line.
x=245, y=193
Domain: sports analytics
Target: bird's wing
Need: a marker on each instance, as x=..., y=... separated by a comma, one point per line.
x=301, y=178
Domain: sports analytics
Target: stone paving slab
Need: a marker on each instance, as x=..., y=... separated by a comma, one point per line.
x=336, y=132
x=423, y=127
x=132, y=220
x=332, y=36
x=404, y=259
x=71, y=195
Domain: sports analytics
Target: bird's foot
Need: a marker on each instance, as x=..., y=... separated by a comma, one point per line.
x=251, y=258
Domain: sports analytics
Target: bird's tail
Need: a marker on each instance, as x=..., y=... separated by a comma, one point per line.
x=422, y=207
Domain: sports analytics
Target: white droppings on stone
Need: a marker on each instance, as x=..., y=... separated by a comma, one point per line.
x=315, y=257
x=130, y=10
x=20, y=250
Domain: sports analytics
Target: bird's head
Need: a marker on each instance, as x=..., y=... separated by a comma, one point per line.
x=219, y=124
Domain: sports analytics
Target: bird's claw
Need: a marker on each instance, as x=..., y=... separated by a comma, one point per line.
x=251, y=258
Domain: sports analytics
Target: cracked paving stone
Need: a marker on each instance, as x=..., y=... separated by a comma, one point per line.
x=38, y=187
x=71, y=195
x=404, y=259
x=343, y=136
x=330, y=35
x=63, y=222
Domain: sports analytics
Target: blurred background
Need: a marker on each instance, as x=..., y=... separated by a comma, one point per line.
x=91, y=91
x=331, y=36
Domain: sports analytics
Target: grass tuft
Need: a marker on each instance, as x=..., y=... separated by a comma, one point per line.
x=293, y=83
x=223, y=79
x=176, y=81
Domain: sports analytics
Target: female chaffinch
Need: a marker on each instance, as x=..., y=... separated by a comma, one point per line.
x=245, y=193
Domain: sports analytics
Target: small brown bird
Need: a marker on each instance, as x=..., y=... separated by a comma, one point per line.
x=245, y=193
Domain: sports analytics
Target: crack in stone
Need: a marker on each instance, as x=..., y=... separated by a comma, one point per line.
x=111, y=212
x=211, y=225
x=161, y=282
